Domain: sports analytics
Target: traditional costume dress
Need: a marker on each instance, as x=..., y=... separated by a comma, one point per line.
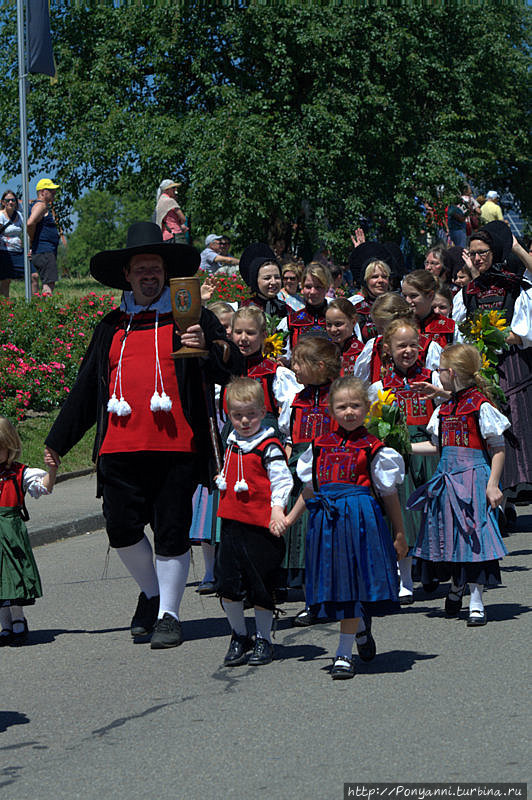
x=20, y=583
x=310, y=418
x=364, y=305
x=459, y=536
x=417, y=410
x=255, y=477
x=511, y=296
x=306, y=322
x=440, y=329
x=350, y=558
x=370, y=365
x=351, y=349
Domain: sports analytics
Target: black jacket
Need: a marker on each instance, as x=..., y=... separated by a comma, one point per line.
x=86, y=403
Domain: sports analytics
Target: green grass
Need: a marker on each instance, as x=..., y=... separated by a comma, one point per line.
x=33, y=432
x=69, y=288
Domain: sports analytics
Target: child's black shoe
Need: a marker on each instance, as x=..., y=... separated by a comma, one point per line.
x=236, y=655
x=262, y=653
x=19, y=637
x=343, y=668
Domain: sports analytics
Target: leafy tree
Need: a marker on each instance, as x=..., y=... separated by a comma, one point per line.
x=271, y=113
x=103, y=220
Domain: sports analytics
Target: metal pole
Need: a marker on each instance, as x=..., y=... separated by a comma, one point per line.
x=23, y=138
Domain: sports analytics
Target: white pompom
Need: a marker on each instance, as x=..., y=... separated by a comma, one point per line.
x=243, y=486
x=112, y=405
x=155, y=402
x=221, y=483
x=124, y=409
x=165, y=402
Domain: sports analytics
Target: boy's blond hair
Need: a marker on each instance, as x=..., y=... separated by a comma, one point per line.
x=244, y=390
x=251, y=312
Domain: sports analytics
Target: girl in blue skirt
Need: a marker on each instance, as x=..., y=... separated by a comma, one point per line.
x=350, y=559
x=459, y=536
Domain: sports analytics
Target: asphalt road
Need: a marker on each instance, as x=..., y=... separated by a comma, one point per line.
x=85, y=713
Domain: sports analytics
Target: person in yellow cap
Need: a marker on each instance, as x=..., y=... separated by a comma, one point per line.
x=44, y=237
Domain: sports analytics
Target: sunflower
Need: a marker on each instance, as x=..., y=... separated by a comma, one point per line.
x=486, y=364
x=476, y=327
x=497, y=320
x=375, y=410
x=272, y=345
x=387, y=398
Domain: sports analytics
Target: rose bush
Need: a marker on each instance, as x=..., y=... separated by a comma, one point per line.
x=41, y=346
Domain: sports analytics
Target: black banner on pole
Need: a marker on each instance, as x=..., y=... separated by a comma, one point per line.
x=40, y=53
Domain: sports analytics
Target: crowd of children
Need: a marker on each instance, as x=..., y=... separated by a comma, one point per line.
x=307, y=497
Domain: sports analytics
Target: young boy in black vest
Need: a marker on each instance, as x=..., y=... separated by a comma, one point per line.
x=254, y=487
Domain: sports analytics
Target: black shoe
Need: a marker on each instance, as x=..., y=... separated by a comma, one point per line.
x=406, y=599
x=206, y=587
x=304, y=619
x=19, y=638
x=368, y=650
x=453, y=601
x=262, y=653
x=145, y=615
x=476, y=619
x=343, y=668
x=167, y=633
x=6, y=637
x=239, y=647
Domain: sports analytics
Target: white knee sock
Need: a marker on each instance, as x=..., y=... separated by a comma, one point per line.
x=17, y=617
x=138, y=560
x=475, y=601
x=405, y=573
x=5, y=618
x=346, y=644
x=263, y=622
x=208, y=559
x=235, y=615
x=172, y=574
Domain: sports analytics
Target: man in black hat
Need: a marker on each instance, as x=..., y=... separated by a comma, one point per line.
x=153, y=438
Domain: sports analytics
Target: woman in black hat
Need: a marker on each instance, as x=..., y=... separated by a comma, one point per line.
x=261, y=271
x=493, y=287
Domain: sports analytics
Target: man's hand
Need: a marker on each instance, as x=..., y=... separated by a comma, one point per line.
x=51, y=458
x=194, y=337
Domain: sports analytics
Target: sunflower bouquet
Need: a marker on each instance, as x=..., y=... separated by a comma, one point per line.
x=386, y=421
x=273, y=344
x=487, y=331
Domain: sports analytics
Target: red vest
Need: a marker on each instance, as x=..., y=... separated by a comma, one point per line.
x=310, y=414
x=459, y=420
x=367, y=326
x=262, y=370
x=144, y=429
x=11, y=492
x=350, y=352
x=306, y=321
x=416, y=408
x=341, y=457
x=254, y=506
x=440, y=329
x=375, y=365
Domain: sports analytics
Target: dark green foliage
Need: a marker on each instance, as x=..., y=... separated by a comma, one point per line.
x=268, y=111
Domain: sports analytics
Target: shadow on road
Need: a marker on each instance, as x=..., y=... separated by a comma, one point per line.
x=9, y=718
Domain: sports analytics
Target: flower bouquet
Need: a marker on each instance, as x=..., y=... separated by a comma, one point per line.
x=273, y=345
x=487, y=331
x=386, y=421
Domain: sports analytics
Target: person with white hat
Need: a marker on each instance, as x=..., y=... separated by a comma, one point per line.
x=44, y=237
x=491, y=210
x=168, y=214
x=153, y=442
x=211, y=257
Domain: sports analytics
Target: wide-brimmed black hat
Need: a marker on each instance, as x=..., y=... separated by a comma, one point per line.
x=360, y=257
x=252, y=259
x=501, y=236
x=180, y=260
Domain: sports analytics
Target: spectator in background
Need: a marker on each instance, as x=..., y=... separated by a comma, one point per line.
x=11, y=242
x=435, y=263
x=212, y=257
x=456, y=221
x=491, y=209
x=168, y=214
x=291, y=275
x=44, y=237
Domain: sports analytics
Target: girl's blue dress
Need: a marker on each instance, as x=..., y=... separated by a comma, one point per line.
x=350, y=558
